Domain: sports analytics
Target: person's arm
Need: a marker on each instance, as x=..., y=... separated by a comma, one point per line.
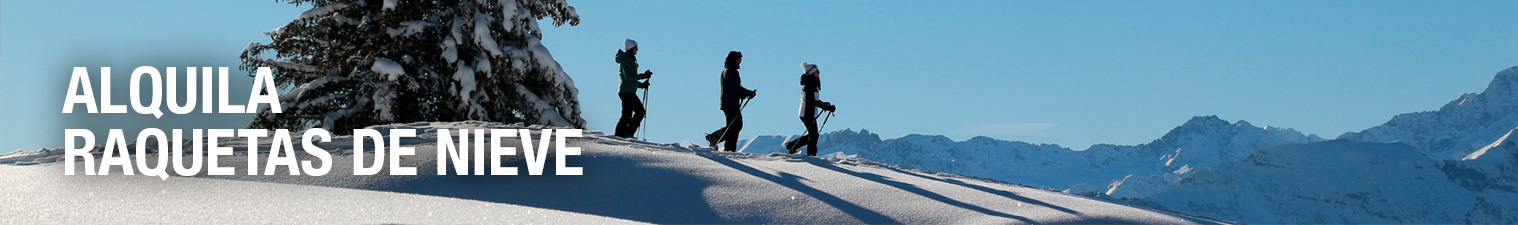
x=821, y=104
x=645, y=75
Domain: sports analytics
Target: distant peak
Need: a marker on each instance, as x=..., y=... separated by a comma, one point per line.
x=1243, y=123
x=1511, y=73
x=1205, y=121
x=1199, y=125
x=1504, y=84
x=851, y=134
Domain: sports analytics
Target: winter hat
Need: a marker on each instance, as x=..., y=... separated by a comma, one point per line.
x=810, y=68
x=629, y=44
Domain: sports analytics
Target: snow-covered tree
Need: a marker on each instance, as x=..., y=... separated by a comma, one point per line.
x=353, y=63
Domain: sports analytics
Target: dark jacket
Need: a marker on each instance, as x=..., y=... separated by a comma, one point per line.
x=732, y=87
x=810, y=85
x=629, y=71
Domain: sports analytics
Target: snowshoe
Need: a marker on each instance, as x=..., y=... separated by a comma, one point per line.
x=793, y=144
x=712, y=139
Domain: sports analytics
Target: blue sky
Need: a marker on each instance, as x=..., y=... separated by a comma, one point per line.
x=1073, y=73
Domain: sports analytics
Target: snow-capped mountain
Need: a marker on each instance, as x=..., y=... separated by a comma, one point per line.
x=1454, y=165
x=1334, y=182
x=1492, y=167
x=1470, y=135
x=1460, y=127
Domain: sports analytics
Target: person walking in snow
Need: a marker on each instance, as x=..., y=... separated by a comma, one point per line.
x=632, y=109
x=810, y=84
x=732, y=92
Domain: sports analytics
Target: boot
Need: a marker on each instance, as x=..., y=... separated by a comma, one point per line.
x=793, y=144
x=712, y=139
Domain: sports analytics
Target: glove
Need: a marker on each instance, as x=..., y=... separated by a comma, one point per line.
x=752, y=93
x=829, y=107
x=648, y=73
x=643, y=85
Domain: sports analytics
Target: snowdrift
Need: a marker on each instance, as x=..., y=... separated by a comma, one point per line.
x=626, y=181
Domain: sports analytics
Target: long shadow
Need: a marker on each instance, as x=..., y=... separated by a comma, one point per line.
x=1014, y=196
x=793, y=182
x=614, y=185
x=915, y=190
x=1002, y=193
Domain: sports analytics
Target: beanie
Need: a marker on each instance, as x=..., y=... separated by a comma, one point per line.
x=810, y=68
x=629, y=44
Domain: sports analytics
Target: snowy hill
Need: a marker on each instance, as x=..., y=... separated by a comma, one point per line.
x=40, y=195
x=625, y=181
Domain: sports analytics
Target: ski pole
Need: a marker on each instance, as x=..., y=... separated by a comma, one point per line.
x=825, y=121
x=819, y=129
x=644, y=127
x=730, y=123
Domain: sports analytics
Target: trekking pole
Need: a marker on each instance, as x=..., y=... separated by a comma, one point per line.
x=825, y=121
x=644, y=127
x=819, y=129
x=730, y=123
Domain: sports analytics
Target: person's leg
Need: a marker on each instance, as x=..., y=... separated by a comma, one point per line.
x=630, y=100
x=794, y=144
x=717, y=136
x=629, y=104
x=811, y=136
x=736, y=119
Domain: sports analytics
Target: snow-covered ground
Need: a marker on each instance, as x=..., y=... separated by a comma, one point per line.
x=40, y=195
x=625, y=181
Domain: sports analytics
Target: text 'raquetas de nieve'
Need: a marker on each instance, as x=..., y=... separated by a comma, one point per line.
x=464, y=151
